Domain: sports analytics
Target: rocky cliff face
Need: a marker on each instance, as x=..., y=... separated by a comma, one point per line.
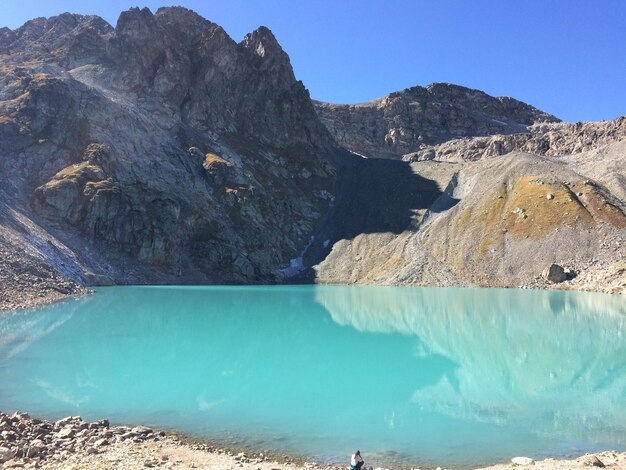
x=497, y=218
x=162, y=149
x=554, y=140
x=402, y=122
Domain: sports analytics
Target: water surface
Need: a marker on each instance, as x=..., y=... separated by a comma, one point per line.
x=422, y=376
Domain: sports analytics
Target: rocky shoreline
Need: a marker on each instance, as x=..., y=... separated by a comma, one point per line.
x=39, y=299
x=27, y=281
x=72, y=443
x=613, y=282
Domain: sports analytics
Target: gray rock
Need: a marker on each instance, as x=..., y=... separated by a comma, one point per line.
x=64, y=421
x=65, y=433
x=101, y=443
x=33, y=451
x=141, y=430
x=404, y=121
x=6, y=454
x=555, y=273
x=595, y=462
x=523, y=461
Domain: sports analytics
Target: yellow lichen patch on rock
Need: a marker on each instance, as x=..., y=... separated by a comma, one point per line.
x=536, y=208
x=482, y=223
x=493, y=238
x=74, y=173
x=601, y=209
x=211, y=160
x=93, y=187
x=218, y=170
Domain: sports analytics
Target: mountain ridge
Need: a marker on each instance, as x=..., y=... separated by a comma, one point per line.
x=166, y=98
x=162, y=151
x=400, y=122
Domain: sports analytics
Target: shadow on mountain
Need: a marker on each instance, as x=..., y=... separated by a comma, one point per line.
x=375, y=196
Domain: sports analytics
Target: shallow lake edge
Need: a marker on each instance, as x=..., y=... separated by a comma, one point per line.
x=129, y=447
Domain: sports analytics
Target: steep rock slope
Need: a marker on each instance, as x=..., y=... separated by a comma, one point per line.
x=554, y=139
x=502, y=219
x=161, y=150
x=401, y=122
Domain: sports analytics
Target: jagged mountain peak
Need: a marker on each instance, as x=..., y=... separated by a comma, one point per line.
x=270, y=55
x=182, y=16
x=57, y=26
x=211, y=147
x=133, y=17
x=7, y=36
x=169, y=20
x=69, y=39
x=262, y=41
x=403, y=121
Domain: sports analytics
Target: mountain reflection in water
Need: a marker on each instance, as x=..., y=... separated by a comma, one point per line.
x=414, y=375
x=552, y=360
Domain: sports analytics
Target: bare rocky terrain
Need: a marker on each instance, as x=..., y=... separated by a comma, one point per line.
x=159, y=150
x=162, y=151
x=72, y=443
x=404, y=121
x=29, y=275
x=466, y=216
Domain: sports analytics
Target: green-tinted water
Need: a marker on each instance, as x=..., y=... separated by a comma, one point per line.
x=420, y=375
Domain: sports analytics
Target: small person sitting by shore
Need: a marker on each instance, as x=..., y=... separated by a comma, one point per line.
x=356, y=462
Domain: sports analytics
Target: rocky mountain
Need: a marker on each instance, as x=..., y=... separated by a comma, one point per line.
x=550, y=139
x=404, y=121
x=162, y=151
x=494, y=218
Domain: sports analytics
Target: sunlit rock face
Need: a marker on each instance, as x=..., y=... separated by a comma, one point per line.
x=162, y=149
x=159, y=150
x=544, y=360
x=408, y=120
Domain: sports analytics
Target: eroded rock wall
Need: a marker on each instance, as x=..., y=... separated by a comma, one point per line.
x=163, y=143
x=402, y=122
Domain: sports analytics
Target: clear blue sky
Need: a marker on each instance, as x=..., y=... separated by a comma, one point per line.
x=567, y=57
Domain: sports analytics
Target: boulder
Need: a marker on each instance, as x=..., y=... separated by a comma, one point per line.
x=141, y=430
x=523, y=461
x=555, y=273
x=65, y=433
x=595, y=462
x=64, y=421
x=6, y=454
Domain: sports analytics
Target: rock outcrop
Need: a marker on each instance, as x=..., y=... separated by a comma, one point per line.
x=161, y=145
x=162, y=151
x=404, y=121
x=497, y=221
x=555, y=139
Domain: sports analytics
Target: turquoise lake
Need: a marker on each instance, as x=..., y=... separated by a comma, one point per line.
x=422, y=376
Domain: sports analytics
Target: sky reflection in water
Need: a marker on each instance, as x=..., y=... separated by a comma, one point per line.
x=424, y=375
